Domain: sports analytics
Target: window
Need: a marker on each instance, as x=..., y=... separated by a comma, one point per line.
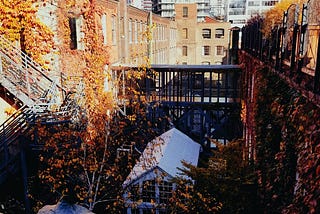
x=253, y=3
x=149, y=191
x=269, y=3
x=220, y=50
x=184, y=51
x=165, y=192
x=130, y=31
x=241, y=21
x=185, y=12
x=206, y=33
x=237, y=11
x=76, y=36
x=135, y=192
x=136, y=31
x=206, y=50
x=114, y=37
x=104, y=28
x=184, y=33
x=140, y=27
x=219, y=33
x=73, y=33
x=253, y=12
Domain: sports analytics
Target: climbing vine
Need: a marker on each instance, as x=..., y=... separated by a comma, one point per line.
x=19, y=23
x=287, y=135
x=80, y=157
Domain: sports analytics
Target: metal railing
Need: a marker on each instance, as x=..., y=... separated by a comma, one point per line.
x=293, y=47
x=10, y=131
x=24, y=78
x=27, y=81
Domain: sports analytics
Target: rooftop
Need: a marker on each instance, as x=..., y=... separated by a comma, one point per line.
x=166, y=152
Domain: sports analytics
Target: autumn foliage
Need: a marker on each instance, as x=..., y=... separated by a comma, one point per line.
x=274, y=16
x=286, y=129
x=223, y=183
x=80, y=158
x=19, y=23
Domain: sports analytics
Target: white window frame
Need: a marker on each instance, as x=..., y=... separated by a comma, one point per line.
x=136, y=31
x=104, y=28
x=130, y=31
x=206, y=49
x=114, y=30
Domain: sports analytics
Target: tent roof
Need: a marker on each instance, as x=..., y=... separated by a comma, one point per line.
x=166, y=152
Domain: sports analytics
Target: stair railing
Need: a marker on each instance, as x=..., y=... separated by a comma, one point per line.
x=22, y=76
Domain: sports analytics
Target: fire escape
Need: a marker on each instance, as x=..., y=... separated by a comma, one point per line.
x=203, y=101
x=25, y=85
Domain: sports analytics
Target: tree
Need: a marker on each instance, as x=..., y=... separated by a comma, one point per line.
x=81, y=157
x=19, y=22
x=224, y=184
x=274, y=16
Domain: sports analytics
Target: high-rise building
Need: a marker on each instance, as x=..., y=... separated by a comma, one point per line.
x=239, y=11
x=141, y=4
x=166, y=8
x=218, y=9
x=235, y=11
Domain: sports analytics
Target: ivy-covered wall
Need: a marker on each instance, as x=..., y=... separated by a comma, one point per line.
x=286, y=140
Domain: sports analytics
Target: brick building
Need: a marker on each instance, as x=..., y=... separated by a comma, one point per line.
x=123, y=28
x=200, y=42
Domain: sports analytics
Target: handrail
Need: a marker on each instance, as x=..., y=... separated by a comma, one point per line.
x=29, y=82
x=28, y=61
x=28, y=76
x=13, y=126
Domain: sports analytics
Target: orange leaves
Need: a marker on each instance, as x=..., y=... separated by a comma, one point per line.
x=20, y=23
x=274, y=16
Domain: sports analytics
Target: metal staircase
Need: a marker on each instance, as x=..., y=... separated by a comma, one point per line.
x=23, y=77
x=28, y=82
x=10, y=132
